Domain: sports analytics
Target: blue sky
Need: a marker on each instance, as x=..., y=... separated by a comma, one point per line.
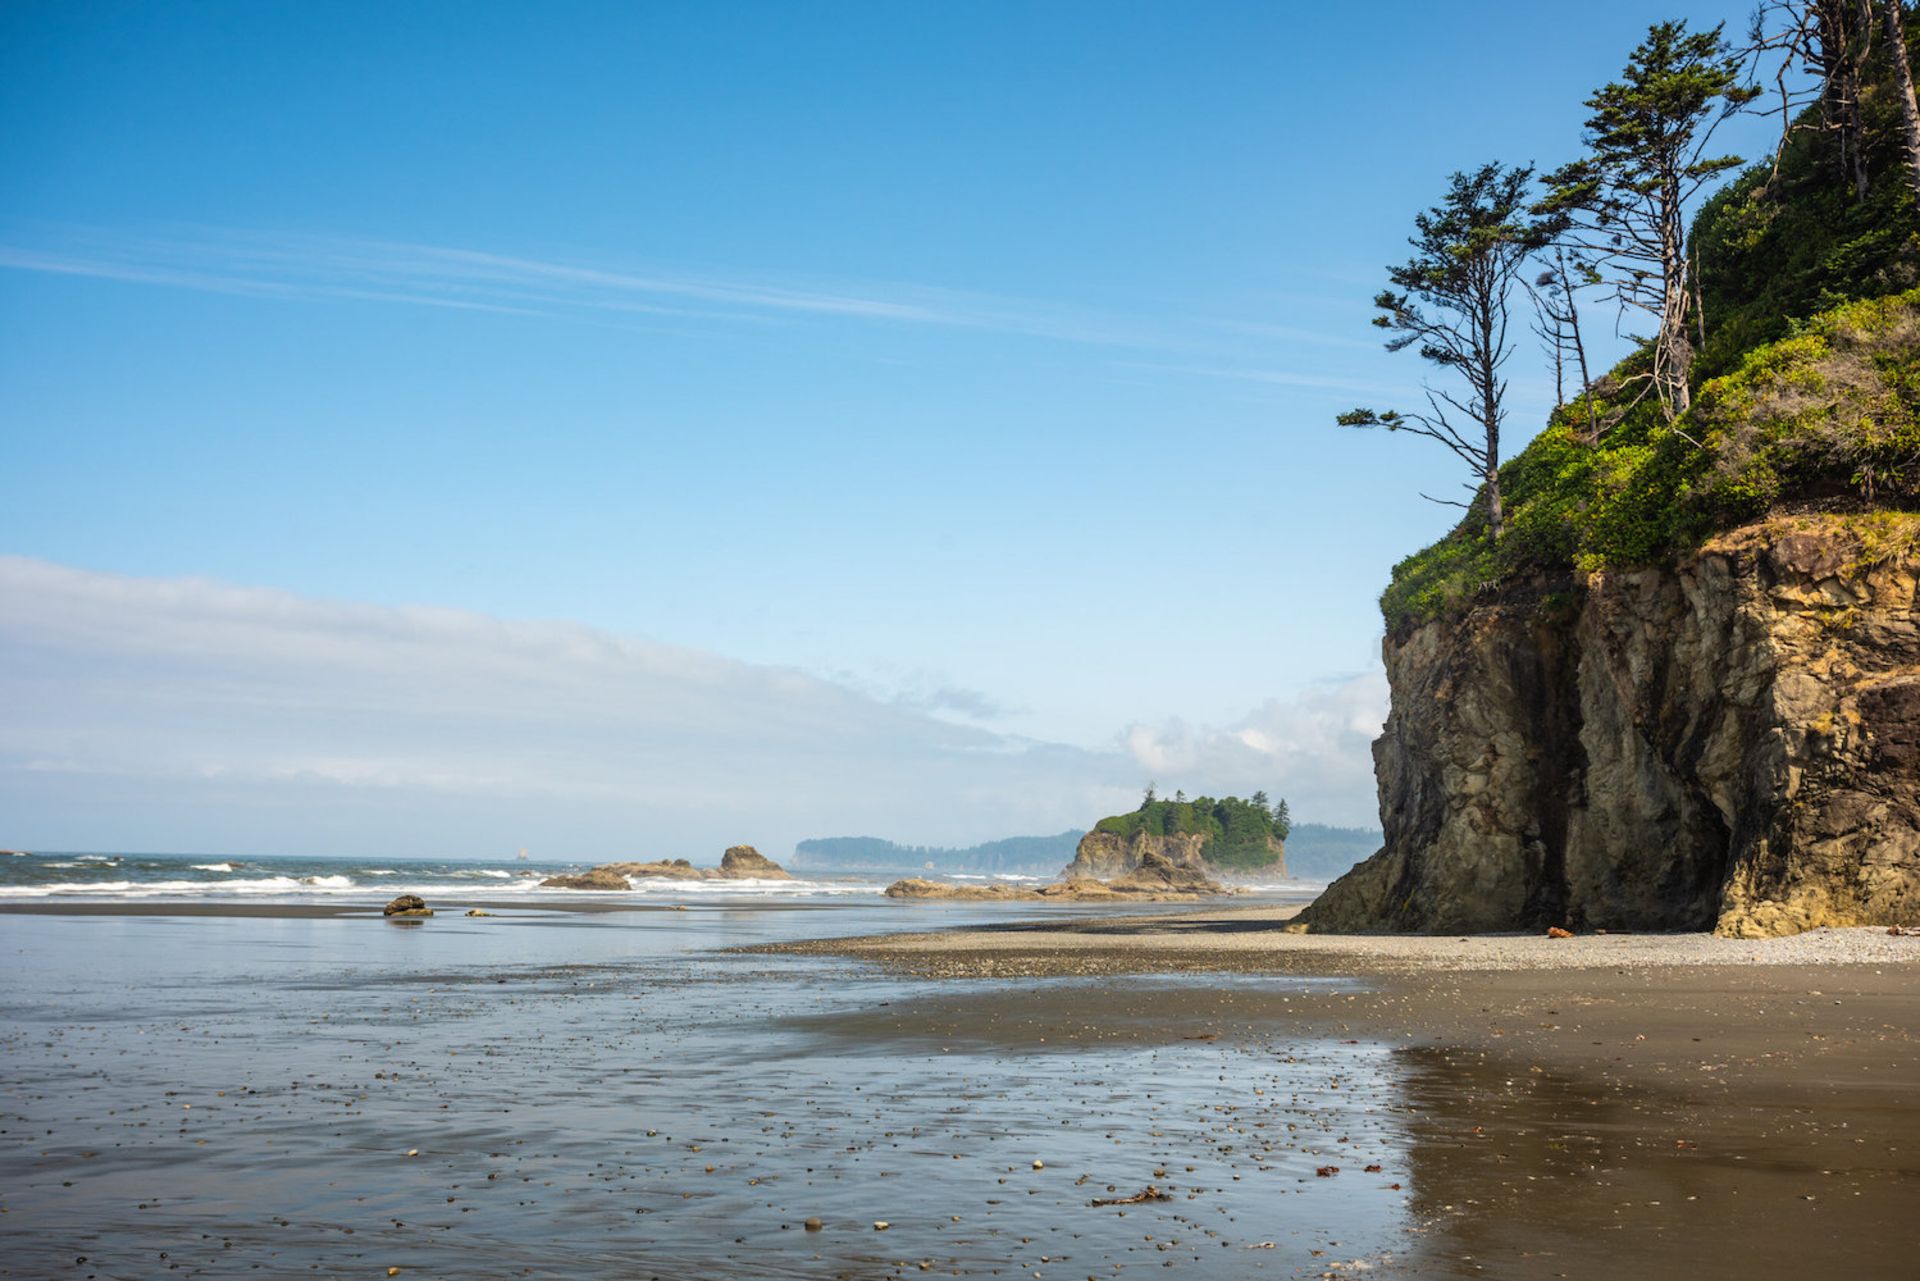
x=975, y=361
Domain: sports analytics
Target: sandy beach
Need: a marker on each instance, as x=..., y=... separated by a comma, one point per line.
x=1698, y=1100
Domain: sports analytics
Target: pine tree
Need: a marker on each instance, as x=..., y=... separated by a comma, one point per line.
x=1624, y=205
x=1450, y=302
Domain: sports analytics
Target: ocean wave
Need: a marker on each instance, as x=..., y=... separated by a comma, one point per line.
x=194, y=889
x=453, y=885
x=642, y=885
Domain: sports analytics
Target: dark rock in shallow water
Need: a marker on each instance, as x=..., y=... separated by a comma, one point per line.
x=408, y=905
x=740, y=863
x=1157, y=878
x=743, y=862
x=599, y=878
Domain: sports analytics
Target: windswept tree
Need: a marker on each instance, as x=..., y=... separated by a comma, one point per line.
x=1895, y=16
x=1624, y=204
x=1450, y=302
x=1827, y=40
x=1556, y=305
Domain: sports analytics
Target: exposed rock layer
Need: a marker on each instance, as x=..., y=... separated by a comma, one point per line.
x=1731, y=743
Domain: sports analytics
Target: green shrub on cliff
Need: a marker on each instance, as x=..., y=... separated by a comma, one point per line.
x=1807, y=384
x=1830, y=414
x=1237, y=832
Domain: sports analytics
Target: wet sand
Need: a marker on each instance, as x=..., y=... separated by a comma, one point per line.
x=674, y=1094
x=1600, y=1106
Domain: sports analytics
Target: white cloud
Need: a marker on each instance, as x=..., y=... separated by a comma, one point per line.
x=1315, y=749
x=187, y=714
x=190, y=705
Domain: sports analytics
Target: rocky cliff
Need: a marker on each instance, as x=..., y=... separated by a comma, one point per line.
x=1729, y=743
x=1101, y=856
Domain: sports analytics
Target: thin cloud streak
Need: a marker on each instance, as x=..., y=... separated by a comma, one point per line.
x=298, y=266
x=319, y=267
x=186, y=713
x=1268, y=377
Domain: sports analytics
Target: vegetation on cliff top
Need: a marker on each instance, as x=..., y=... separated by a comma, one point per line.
x=1805, y=388
x=1239, y=834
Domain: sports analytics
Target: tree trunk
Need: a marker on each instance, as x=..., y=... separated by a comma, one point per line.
x=1896, y=14
x=1496, y=510
x=1673, y=352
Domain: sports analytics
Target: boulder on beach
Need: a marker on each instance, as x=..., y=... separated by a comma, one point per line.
x=407, y=905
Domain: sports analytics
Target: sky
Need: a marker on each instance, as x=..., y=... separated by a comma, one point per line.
x=637, y=428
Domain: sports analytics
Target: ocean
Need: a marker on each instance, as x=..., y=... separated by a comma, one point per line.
x=108, y=875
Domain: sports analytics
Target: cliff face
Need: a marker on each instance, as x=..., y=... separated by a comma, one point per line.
x=1101, y=856
x=1732, y=743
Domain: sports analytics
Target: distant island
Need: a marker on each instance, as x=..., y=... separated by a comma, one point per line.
x=1018, y=855
x=1228, y=833
x=1313, y=851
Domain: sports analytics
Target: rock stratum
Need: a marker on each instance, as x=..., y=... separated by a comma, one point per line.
x=739, y=863
x=1730, y=743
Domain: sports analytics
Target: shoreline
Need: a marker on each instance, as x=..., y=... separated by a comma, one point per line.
x=1255, y=940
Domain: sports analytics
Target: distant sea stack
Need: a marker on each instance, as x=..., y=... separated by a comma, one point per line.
x=1212, y=837
x=739, y=863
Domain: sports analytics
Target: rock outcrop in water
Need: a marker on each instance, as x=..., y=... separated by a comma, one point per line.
x=743, y=862
x=407, y=905
x=1103, y=855
x=1156, y=879
x=1733, y=742
x=739, y=863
